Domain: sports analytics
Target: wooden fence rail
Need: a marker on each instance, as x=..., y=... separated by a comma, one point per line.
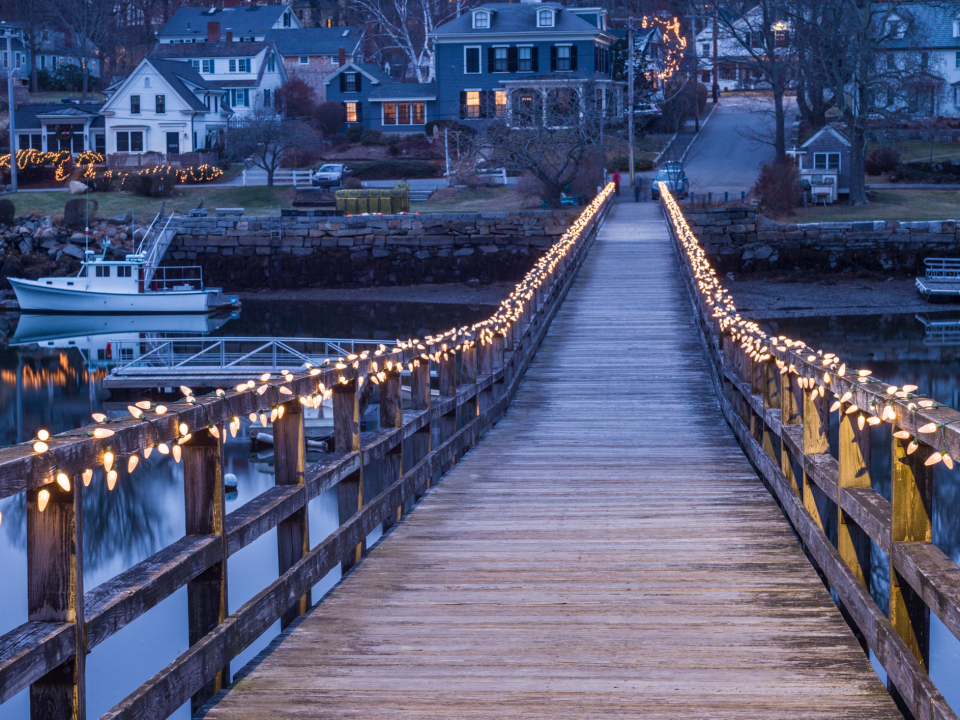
x=780, y=396
x=47, y=653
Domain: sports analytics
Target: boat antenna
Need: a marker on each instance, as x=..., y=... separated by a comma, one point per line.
x=86, y=230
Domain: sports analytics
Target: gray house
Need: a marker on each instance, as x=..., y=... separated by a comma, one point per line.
x=824, y=162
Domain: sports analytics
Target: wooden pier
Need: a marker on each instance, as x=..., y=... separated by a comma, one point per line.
x=605, y=550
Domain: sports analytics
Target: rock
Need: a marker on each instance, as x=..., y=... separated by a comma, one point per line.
x=7, y=211
x=766, y=224
x=48, y=243
x=79, y=238
x=48, y=232
x=762, y=253
x=76, y=212
x=77, y=188
x=73, y=251
x=26, y=246
x=463, y=252
x=120, y=219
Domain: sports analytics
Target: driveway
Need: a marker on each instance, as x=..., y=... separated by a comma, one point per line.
x=727, y=155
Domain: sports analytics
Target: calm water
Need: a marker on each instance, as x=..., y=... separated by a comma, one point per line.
x=58, y=387
x=922, y=350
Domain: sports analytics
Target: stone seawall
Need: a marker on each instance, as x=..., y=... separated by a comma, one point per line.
x=737, y=239
x=240, y=252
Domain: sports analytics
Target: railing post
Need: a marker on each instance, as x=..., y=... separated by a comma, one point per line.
x=852, y=542
x=468, y=376
x=447, y=423
x=55, y=594
x=485, y=369
x=289, y=465
x=346, y=438
x=771, y=400
x=911, y=504
x=421, y=441
x=205, y=512
x=789, y=415
x=816, y=441
x=391, y=416
x=499, y=387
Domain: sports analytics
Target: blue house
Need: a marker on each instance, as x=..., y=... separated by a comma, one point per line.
x=499, y=60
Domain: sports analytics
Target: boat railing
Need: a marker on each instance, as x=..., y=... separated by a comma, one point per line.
x=174, y=277
x=942, y=269
x=230, y=354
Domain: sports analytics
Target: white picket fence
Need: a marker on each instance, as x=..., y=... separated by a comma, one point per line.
x=258, y=176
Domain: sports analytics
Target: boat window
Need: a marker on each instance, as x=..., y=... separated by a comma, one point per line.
x=124, y=271
x=69, y=283
x=49, y=282
x=103, y=271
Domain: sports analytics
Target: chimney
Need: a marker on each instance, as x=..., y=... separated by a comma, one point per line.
x=213, y=31
x=229, y=4
x=229, y=34
x=369, y=50
x=342, y=57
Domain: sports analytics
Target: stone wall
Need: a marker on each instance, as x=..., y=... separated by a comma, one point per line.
x=737, y=239
x=242, y=252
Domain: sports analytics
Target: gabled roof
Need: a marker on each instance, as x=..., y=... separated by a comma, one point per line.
x=315, y=41
x=370, y=71
x=827, y=129
x=245, y=20
x=929, y=25
x=404, y=91
x=179, y=74
x=518, y=18
x=28, y=116
x=209, y=50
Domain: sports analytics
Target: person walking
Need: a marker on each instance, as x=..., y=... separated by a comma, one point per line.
x=616, y=182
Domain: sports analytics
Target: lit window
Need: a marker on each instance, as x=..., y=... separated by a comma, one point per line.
x=545, y=18
x=404, y=113
x=352, y=116
x=500, y=103
x=389, y=113
x=472, y=104
x=161, y=104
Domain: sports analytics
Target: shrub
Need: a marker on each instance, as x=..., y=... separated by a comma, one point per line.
x=352, y=183
x=7, y=211
x=330, y=117
x=295, y=98
x=155, y=182
x=777, y=188
x=882, y=160
x=302, y=157
x=371, y=137
x=393, y=149
x=393, y=169
x=354, y=133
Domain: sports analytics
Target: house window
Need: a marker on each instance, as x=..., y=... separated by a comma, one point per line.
x=286, y=19
x=525, y=59
x=232, y=66
x=500, y=59
x=195, y=64
x=781, y=38
x=499, y=103
x=891, y=62
x=335, y=60
x=123, y=142
x=352, y=113
x=404, y=113
x=134, y=104
x=545, y=18
x=243, y=65
x=956, y=96
x=43, y=62
x=826, y=161
x=728, y=72
x=130, y=141
x=471, y=105
x=240, y=97
x=266, y=98
x=209, y=66
x=161, y=104
x=99, y=143
x=704, y=49
x=28, y=142
x=481, y=20
x=924, y=60
x=304, y=60
x=956, y=60
x=563, y=58
x=389, y=113
x=471, y=60
x=350, y=82
x=271, y=63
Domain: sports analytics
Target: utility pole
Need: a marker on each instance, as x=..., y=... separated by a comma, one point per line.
x=446, y=152
x=11, y=128
x=629, y=95
x=716, y=58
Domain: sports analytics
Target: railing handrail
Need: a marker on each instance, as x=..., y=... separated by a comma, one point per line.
x=493, y=355
x=783, y=388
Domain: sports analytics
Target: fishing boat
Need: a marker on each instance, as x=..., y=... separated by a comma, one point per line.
x=136, y=284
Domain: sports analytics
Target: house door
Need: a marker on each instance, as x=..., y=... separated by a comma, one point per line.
x=173, y=143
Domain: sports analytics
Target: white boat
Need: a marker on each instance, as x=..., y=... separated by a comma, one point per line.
x=136, y=284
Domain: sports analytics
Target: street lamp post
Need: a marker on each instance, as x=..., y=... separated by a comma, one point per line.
x=11, y=127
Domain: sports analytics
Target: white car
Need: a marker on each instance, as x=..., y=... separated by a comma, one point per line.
x=330, y=175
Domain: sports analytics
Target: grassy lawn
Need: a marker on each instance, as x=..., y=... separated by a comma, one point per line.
x=256, y=200
x=904, y=205
x=917, y=150
x=496, y=199
x=56, y=96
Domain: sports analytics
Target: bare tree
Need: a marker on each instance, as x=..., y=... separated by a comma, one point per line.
x=87, y=26
x=551, y=132
x=267, y=138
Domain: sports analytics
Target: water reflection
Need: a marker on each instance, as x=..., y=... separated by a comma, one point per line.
x=51, y=370
x=922, y=350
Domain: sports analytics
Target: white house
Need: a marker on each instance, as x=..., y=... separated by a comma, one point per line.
x=247, y=23
x=737, y=64
x=164, y=106
x=249, y=72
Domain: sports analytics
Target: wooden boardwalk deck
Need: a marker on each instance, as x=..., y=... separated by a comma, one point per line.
x=605, y=551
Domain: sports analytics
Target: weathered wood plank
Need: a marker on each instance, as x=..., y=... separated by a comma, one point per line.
x=932, y=575
x=32, y=650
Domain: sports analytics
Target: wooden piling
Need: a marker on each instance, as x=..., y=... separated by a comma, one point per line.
x=289, y=464
x=346, y=438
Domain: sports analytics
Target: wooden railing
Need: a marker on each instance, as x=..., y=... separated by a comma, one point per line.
x=780, y=396
x=479, y=369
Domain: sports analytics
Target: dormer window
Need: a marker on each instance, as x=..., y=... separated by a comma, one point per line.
x=896, y=28
x=956, y=26
x=481, y=20
x=545, y=18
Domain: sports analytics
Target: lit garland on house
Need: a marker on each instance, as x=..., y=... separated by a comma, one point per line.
x=674, y=41
x=310, y=389
x=818, y=372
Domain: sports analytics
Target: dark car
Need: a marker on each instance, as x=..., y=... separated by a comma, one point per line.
x=675, y=180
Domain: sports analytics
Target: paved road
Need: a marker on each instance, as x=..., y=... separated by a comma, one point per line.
x=729, y=152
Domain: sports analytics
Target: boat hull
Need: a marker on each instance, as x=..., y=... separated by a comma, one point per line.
x=34, y=297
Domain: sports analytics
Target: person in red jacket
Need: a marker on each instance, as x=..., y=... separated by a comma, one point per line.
x=616, y=181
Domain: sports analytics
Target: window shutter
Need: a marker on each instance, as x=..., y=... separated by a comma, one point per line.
x=359, y=111
x=534, y=63
x=343, y=82
x=553, y=58
x=573, y=57
x=463, y=104
x=512, y=59
x=491, y=59
x=360, y=75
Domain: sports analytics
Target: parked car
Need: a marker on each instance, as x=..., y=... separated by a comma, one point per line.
x=331, y=175
x=675, y=179
x=646, y=109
